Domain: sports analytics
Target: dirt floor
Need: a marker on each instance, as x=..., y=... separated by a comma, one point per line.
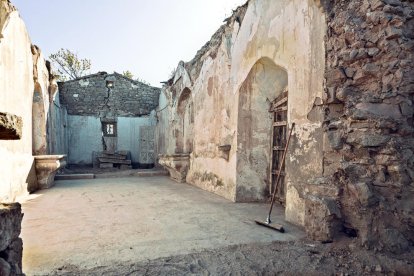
x=154, y=226
x=96, y=222
x=277, y=258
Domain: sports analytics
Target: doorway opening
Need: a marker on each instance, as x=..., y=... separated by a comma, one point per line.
x=265, y=82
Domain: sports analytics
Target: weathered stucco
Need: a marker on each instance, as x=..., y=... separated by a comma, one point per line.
x=264, y=47
x=16, y=86
x=27, y=91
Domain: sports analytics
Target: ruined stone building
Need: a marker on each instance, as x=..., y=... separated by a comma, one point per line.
x=342, y=71
x=109, y=112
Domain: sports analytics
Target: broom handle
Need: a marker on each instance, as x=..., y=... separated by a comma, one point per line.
x=280, y=171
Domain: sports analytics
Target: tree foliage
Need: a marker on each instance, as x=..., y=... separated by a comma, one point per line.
x=128, y=74
x=69, y=65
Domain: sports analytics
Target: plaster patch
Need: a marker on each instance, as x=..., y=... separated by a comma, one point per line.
x=84, y=83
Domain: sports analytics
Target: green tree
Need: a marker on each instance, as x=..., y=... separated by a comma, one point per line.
x=128, y=74
x=69, y=65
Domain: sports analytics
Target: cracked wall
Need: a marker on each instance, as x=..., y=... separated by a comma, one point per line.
x=89, y=101
x=26, y=91
x=263, y=47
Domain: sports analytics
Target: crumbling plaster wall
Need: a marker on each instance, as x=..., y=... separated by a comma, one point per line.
x=290, y=35
x=21, y=66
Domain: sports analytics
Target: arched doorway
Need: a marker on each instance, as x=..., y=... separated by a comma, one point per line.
x=39, y=133
x=184, y=142
x=265, y=82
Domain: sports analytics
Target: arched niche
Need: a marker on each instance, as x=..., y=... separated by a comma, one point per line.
x=39, y=132
x=185, y=126
x=265, y=82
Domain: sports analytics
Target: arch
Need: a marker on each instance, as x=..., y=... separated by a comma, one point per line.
x=264, y=83
x=183, y=100
x=39, y=132
x=185, y=112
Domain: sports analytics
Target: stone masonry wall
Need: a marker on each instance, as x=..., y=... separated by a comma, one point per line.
x=89, y=96
x=11, y=246
x=367, y=188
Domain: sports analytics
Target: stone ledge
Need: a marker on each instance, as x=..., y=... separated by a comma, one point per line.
x=10, y=126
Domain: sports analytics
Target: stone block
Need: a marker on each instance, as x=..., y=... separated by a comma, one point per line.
x=10, y=126
x=380, y=110
x=362, y=191
x=374, y=140
x=106, y=165
x=5, y=268
x=14, y=255
x=322, y=218
x=10, y=223
x=335, y=139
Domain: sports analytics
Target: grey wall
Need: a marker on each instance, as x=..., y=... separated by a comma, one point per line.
x=89, y=95
x=85, y=136
x=57, y=123
x=129, y=135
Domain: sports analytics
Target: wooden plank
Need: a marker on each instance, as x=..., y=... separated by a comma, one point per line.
x=280, y=109
x=281, y=123
x=277, y=172
x=282, y=101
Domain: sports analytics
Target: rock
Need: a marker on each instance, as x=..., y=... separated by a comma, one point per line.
x=381, y=110
x=321, y=221
x=376, y=4
x=393, y=32
x=335, y=76
x=373, y=51
x=350, y=72
x=10, y=223
x=407, y=109
x=5, y=269
x=363, y=193
x=374, y=140
x=335, y=139
x=14, y=255
x=10, y=126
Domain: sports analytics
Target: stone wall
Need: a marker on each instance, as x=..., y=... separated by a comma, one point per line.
x=89, y=96
x=11, y=246
x=368, y=162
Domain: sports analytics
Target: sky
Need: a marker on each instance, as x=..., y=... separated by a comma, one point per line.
x=146, y=37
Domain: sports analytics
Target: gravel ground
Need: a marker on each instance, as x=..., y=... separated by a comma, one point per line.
x=277, y=258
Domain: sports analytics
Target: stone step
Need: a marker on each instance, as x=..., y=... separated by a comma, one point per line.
x=114, y=156
x=74, y=176
x=120, y=152
x=114, y=161
x=106, y=165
